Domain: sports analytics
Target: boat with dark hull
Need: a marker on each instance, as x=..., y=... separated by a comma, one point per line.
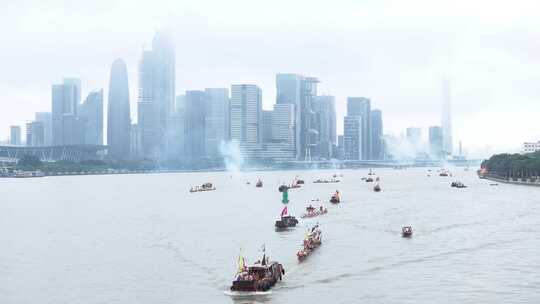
x=260, y=276
x=406, y=231
x=286, y=220
x=335, y=198
x=259, y=184
x=377, y=188
x=313, y=212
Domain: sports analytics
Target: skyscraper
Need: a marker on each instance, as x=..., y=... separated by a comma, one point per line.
x=156, y=94
x=118, y=114
x=267, y=126
x=436, y=142
x=217, y=120
x=66, y=126
x=91, y=115
x=300, y=91
x=361, y=106
x=15, y=135
x=195, y=130
x=246, y=113
x=446, y=121
x=377, y=142
x=352, y=137
x=283, y=125
x=324, y=122
x=35, y=133
x=46, y=119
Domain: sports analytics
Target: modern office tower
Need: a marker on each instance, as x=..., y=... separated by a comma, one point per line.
x=35, y=133
x=46, y=119
x=66, y=126
x=340, y=147
x=156, y=94
x=135, y=142
x=246, y=113
x=446, y=121
x=176, y=136
x=324, y=122
x=436, y=141
x=195, y=131
x=217, y=120
x=300, y=91
x=414, y=135
x=283, y=125
x=118, y=114
x=352, y=137
x=91, y=115
x=266, y=126
x=15, y=135
x=377, y=142
x=180, y=102
x=361, y=106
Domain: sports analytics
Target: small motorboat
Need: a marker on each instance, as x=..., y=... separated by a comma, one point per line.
x=313, y=212
x=260, y=276
x=202, y=188
x=283, y=188
x=335, y=199
x=493, y=184
x=406, y=231
x=369, y=179
x=312, y=241
x=300, y=181
x=458, y=185
x=377, y=188
x=443, y=173
x=326, y=181
x=259, y=184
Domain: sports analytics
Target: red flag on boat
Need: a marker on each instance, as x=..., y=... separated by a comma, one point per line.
x=284, y=211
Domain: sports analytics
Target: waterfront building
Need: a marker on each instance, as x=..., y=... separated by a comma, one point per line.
x=66, y=126
x=35, y=133
x=361, y=106
x=217, y=120
x=377, y=142
x=530, y=147
x=352, y=138
x=118, y=114
x=246, y=113
x=266, y=126
x=324, y=122
x=46, y=119
x=91, y=115
x=195, y=131
x=135, y=142
x=15, y=135
x=436, y=142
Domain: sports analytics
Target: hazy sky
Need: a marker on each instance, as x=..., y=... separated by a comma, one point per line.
x=394, y=52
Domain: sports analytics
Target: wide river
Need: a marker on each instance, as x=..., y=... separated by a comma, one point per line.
x=145, y=239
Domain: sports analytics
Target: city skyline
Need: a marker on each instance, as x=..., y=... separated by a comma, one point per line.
x=407, y=79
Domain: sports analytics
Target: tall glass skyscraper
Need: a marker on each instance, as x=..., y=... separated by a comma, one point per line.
x=118, y=115
x=361, y=106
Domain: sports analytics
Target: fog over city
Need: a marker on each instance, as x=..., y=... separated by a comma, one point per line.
x=397, y=53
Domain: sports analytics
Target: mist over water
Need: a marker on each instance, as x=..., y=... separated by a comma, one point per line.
x=146, y=239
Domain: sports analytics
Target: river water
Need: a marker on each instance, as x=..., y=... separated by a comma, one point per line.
x=146, y=239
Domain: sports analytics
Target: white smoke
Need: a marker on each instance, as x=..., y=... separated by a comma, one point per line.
x=402, y=149
x=232, y=156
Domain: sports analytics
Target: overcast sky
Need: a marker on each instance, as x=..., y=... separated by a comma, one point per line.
x=394, y=52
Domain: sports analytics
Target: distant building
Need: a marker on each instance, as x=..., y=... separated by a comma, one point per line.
x=66, y=126
x=352, y=138
x=135, y=142
x=414, y=135
x=377, y=142
x=46, y=119
x=266, y=126
x=436, y=142
x=361, y=106
x=35, y=134
x=324, y=122
x=246, y=113
x=530, y=147
x=91, y=114
x=217, y=120
x=118, y=114
x=15, y=135
x=341, y=147
x=195, y=117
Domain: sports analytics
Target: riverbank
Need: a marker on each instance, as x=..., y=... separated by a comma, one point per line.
x=526, y=182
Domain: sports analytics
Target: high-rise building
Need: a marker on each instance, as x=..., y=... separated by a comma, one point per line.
x=15, y=135
x=352, y=137
x=414, y=135
x=66, y=126
x=300, y=91
x=324, y=122
x=377, y=142
x=176, y=136
x=35, y=133
x=118, y=114
x=46, y=119
x=340, y=147
x=217, y=120
x=436, y=142
x=446, y=121
x=156, y=94
x=361, y=106
x=266, y=126
x=135, y=142
x=246, y=113
x=91, y=115
x=195, y=131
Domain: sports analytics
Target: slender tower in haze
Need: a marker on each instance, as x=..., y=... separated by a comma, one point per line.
x=446, y=119
x=118, y=116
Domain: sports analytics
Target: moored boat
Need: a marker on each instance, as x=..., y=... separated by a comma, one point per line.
x=202, y=188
